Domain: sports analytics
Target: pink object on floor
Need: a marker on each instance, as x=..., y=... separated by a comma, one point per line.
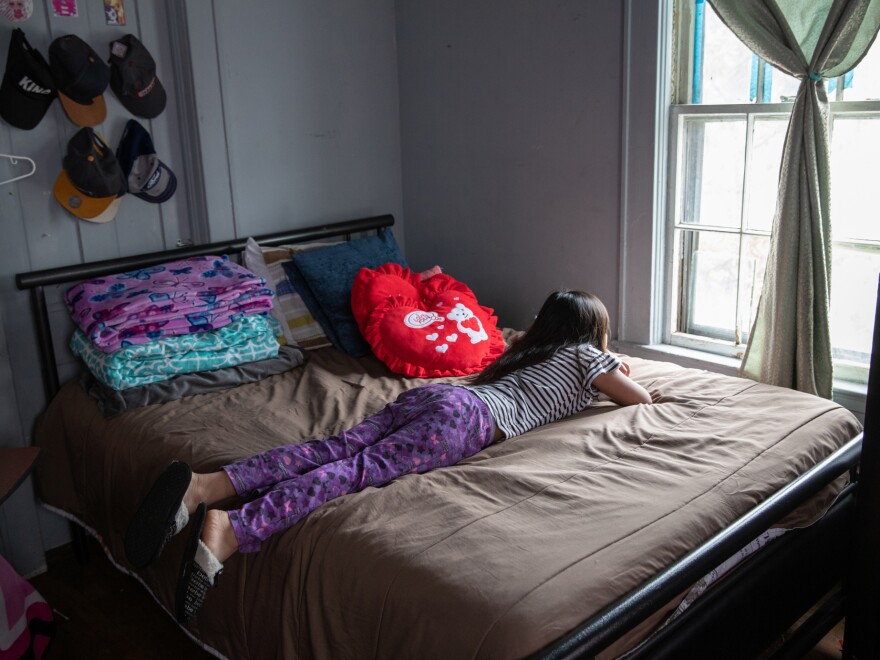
x=26, y=621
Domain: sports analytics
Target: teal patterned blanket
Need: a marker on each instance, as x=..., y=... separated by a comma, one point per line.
x=249, y=339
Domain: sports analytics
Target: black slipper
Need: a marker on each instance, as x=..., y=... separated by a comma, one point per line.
x=193, y=581
x=155, y=522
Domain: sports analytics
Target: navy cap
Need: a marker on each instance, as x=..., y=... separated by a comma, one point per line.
x=133, y=78
x=81, y=78
x=147, y=176
x=27, y=90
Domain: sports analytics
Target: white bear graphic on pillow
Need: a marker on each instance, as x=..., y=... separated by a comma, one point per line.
x=468, y=323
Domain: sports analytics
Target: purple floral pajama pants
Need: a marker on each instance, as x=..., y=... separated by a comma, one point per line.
x=425, y=428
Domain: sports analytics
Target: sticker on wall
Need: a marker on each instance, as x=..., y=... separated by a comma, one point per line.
x=66, y=8
x=16, y=10
x=114, y=12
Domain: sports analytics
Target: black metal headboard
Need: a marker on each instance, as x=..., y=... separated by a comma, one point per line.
x=38, y=279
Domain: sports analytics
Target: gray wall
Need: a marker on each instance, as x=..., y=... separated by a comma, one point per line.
x=297, y=112
x=277, y=118
x=511, y=133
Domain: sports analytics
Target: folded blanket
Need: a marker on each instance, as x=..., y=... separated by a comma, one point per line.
x=113, y=402
x=181, y=297
x=248, y=339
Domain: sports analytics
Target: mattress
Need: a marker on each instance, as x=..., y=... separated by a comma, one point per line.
x=495, y=557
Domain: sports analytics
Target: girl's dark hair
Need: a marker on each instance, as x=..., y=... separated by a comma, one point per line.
x=565, y=318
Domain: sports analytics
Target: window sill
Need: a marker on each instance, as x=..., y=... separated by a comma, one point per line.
x=684, y=357
x=848, y=394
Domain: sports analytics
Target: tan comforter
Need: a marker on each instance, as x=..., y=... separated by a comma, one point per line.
x=493, y=558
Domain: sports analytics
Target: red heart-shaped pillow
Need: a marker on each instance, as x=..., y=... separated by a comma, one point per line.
x=426, y=329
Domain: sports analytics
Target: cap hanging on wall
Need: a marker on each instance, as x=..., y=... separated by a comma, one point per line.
x=133, y=78
x=147, y=176
x=81, y=78
x=27, y=90
x=91, y=184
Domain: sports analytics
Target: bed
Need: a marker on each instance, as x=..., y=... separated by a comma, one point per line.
x=577, y=539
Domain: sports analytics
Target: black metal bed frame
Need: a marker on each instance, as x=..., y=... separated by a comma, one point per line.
x=738, y=616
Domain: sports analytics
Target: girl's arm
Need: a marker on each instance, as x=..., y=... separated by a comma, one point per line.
x=621, y=389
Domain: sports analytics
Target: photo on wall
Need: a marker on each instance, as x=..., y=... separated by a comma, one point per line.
x=114, y=12
x=65, y=8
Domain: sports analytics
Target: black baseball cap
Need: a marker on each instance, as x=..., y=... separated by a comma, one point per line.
x=27, y=90
x=80, y=78
x=133, y=78
x=91, y=183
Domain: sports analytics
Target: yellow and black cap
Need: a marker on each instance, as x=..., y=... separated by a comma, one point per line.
x=91, y=184
x=80, y=78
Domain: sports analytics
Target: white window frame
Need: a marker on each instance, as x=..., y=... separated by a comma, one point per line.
x=748, y=112
x=646, y=237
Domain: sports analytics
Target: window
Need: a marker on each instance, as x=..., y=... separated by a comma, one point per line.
x=728, y=117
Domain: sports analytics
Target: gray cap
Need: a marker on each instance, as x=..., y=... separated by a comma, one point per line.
x=147, y=176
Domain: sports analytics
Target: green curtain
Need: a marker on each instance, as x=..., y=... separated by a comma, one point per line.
x=790, y=342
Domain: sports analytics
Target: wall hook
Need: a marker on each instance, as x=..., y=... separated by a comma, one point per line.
x=14, y=160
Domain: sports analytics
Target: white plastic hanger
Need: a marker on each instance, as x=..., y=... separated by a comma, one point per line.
x=14, y=160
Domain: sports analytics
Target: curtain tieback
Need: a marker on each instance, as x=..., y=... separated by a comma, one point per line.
x=814, y=76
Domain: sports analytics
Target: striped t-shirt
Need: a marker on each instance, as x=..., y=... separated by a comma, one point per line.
x=548, y=391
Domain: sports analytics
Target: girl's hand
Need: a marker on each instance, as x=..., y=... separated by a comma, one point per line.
x=620, y=389
x=624, y=368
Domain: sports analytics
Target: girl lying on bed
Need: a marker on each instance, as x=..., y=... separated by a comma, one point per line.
x=555, y=369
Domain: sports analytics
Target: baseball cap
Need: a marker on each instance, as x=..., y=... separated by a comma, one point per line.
x=91, y=184
x=27, y=90
x=133, y=78
x=147, y=176
x=80, y=78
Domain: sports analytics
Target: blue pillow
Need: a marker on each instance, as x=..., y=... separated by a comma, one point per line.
x=323, y=278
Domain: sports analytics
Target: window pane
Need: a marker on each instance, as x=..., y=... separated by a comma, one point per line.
x=711, y=282
x=855, y=162
x=865, y=83
x=783, y=87
x=712, y=172
x=726, y=64
x=854, y=274
x=753, y=263
x=768, y=136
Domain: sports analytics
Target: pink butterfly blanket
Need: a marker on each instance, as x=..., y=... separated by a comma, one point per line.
x=181, y=297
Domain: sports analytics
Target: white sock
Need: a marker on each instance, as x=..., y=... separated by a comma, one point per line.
x=207, y=561
x=181, y=518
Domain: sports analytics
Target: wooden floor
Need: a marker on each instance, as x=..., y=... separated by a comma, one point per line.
x=829, y=648
x=103, y=613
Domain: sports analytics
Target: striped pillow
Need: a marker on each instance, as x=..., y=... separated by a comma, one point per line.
x=299, y=326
